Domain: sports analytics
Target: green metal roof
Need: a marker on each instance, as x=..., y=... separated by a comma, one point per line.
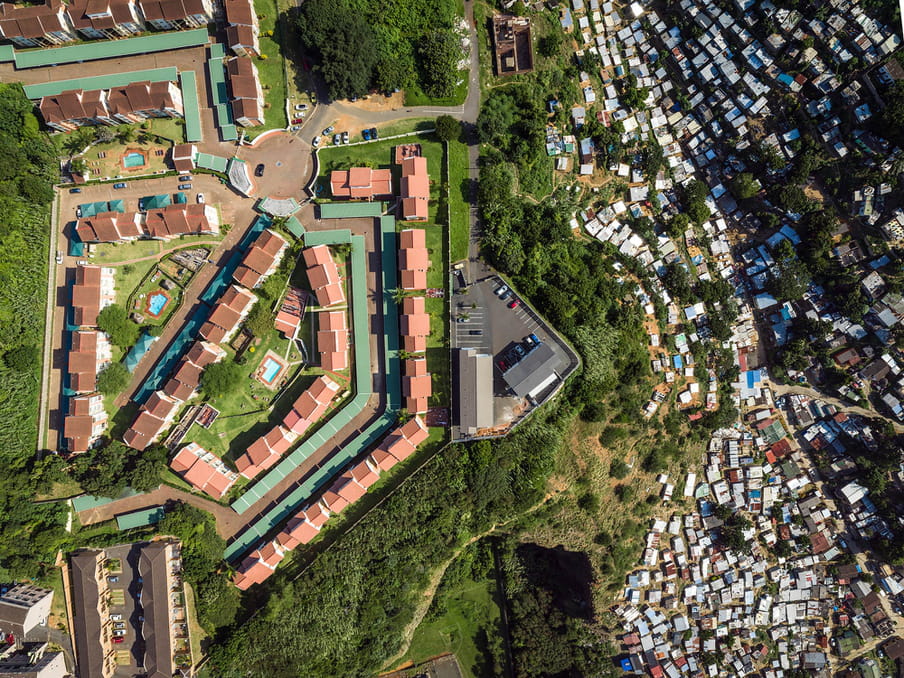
x=86, y=501
x=136, y=353
x=49, y=89
x=212, y=162
x=117, y=205
x=130, y=521
x=216, y=73
x=189, y=85
x=341, y=236
x=111, y=49
x=350, y=210
x=156, y=202
x=313, y=482
x=293, y=226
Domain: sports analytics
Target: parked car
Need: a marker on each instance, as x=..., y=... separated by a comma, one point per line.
x=301, y=107
x=501, y=290
x=119, y=625
x=113, y=580
x=295, y=128
x=337, y=139
x=119, y=185
x=328, y=130
x=75, y=190
x=184, y=187
x=78, y=211
x=119, y=632
x=59, y=257
x=461, y=319
x=513, y=303
x=532, y=340
x=316, y=142
x=118, y=639
x=200, y=198
x=82, y=262
x=373, y=133
x=116, y=617
x=259, y=170
x=186, y=177
x=297, y=121
x=475, y=333
x=366, y=134
x=519, y=349
x=345, y=137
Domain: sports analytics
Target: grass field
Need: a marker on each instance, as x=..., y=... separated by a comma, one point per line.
x=117, y=253
x=272, y=69
x=406, y=126
x=468, y=608
x=416, y=97
x=459, y=206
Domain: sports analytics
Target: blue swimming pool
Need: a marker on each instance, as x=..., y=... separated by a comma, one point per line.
x=157, y=301
x=271, y=369
x=133, y=159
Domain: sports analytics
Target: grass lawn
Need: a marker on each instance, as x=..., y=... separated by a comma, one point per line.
x=116, y=253
x=272, y=69
x=169, y=128
x=469, y=607
x=105, y=160
x=129, y=276
x=406, y=126
x=416, y=97
x=196, y=632
x=459, y=206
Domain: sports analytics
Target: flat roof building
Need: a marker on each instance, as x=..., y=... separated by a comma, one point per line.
x=534, y=373
x=23, y=608
x=474, y=405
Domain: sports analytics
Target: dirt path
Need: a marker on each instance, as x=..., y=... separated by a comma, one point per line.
x=781, y=389
x=437, y=577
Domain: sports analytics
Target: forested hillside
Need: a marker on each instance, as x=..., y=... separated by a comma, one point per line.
x=385, y=45
x=28, y=167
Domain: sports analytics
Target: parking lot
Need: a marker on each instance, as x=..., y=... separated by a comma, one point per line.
x=125, y=587
x=483, y=321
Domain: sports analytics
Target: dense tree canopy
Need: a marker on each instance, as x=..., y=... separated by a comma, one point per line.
x=360, y=44
x=220, y=378
x=113, y=379
x=115, y=321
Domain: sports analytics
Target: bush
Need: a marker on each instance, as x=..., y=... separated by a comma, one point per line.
x=22, y=358
x=221, y=378
x=618, y=469
x=448, y=128
x=589, y=502
x=114, y=320
x=611, y=435
x=113, y=379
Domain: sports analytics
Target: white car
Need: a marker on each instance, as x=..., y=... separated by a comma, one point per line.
x=200, y=198
x=295, y=128
x=115, y=617
x=316, y=142
x=119, y=632
x=301, y=107
x=59, y=257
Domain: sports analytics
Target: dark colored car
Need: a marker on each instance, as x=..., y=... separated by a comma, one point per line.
x=185, y=177
x=75, y=190
x=119, y=185
x=373, y=133
x=259, y=170
x=476, y=333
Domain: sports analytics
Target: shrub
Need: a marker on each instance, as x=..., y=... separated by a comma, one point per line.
x=618, y=469
x=114, y=320
x=113, y=379
x=22, y=358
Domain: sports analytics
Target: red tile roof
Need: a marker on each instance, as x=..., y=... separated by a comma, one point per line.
x=362, y=183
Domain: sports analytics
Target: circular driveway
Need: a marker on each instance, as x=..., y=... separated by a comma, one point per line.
x=287, y=161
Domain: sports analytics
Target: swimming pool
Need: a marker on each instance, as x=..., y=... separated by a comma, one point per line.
x=157, y=301
x=133, y=159
x=271, y=369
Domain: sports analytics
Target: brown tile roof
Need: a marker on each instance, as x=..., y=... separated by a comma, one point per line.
x=361, y=183
x=240, y=12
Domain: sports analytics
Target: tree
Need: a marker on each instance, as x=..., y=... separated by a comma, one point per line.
x=114, y=320
x=102, y=471
x=550, y=44
x=143, y=473
x=744, y=186
x=448, y=128
x=395, y=72
x=259, y=320
x=439, y=52
x=677, y=225
x=344, y=43
x=22, y=358
x=220, y=378
x=113, y=379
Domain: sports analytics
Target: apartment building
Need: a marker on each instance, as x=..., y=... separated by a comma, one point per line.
x=85, y=422
x=44, y=25
x=170, y=15
x=98, y=19
x=90, y=614
x=23, y=608
x=242, y=28
x=247, y=96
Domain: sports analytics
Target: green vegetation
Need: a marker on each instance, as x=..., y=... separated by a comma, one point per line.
x=113, y=379
x=29, y=533
x=202, y=564
x=108, y=470
x=459, y=200
x=360, y=45
x=744, y=186
x=271, y=64
x=115, y=321
x=448, y=128
x=221, y=378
